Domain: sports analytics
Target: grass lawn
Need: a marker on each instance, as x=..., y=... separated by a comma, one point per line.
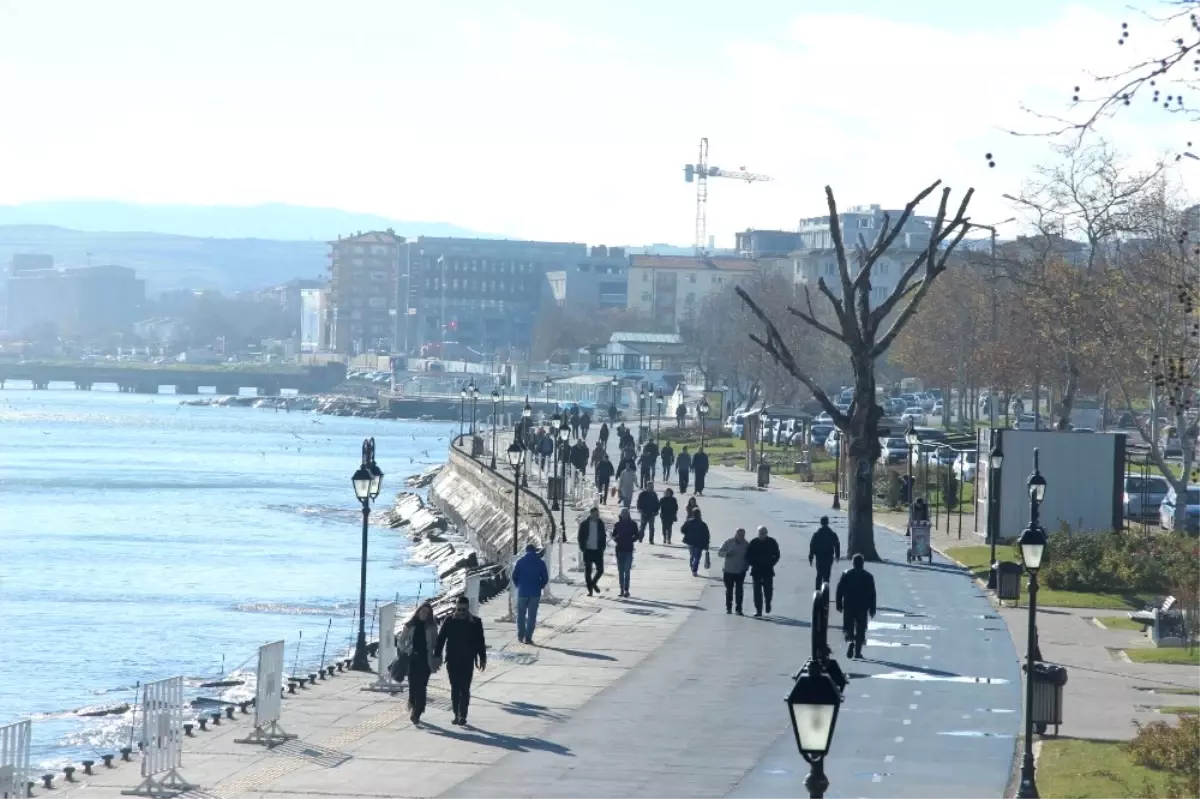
x=1083, y=769
x=1120, y=623
x=976, y=558
x=1180, y=710
x=1179, y=656
x=1178, y=691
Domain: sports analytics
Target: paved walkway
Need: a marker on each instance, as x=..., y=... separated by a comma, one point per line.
x=664, y=694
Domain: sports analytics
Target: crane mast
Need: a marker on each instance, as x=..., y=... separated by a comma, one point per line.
x=699, y=173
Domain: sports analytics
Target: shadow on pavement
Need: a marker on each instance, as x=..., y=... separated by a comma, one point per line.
x=938, y=567
x=579, y=653
x=657, y=603
x=910, y=667
x=512, y=743
x=530, y=710
x=786, y=621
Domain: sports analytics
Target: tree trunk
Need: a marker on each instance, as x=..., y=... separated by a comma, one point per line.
x=862, y=451
x=1067, y=402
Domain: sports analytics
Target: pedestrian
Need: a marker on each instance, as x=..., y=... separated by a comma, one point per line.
x=603, y=440
x=624, y=536
x=579, y=457
x=668, y=458
x=856, y=601
x=647, y=505
x=680, y=414
x=647, y=461
x=626, y=482
x=604, y=473
x=612, y=412
x=598, y=452
x=575, y=421
x=651, y=449
x=545, y=449
x=585, y=422
x=824, y=547
x=461, y=639
x=530, y=576
x=668, y=512
x=684, y=467
x=734, y=571
x=418, y=640
x=762, y=555
x=695, y=538
x=700, y=467
x=592, y=540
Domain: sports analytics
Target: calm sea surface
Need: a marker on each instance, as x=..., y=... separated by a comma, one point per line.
x=141, y=539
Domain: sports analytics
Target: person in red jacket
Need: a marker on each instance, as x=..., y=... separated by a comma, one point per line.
x=625, y=534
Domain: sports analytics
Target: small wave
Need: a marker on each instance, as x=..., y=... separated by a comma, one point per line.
x=287, y=609
x=104, y=710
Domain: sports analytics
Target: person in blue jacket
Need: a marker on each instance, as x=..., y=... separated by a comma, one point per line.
x=530, y=576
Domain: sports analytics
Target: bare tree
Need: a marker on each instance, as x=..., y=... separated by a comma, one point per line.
x=866, y=332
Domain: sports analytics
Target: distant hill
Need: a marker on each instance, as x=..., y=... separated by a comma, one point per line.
x=269, y=221
x=173, y=262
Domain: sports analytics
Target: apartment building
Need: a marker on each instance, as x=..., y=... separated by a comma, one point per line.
x=671, y=288
x=361, y=311
x=600, y=280
x=87, y=302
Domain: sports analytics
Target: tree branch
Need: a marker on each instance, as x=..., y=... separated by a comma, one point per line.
x=887, y=236
x=835, y=232
x=812, y=322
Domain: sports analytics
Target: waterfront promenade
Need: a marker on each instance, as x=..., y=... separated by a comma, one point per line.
x=662, y=694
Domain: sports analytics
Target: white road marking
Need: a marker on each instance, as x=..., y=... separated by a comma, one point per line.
x=889, y=758
x=916, y=693
x=899, y=739
x=912, y=707
x=907, y=721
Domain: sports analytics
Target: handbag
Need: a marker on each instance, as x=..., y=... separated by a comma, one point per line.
x=399, y=668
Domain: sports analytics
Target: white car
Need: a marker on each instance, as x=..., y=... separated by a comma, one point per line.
x=823, y=418
x=964, y=467
x=913, y=414
x=938, y=410
x=894, y=450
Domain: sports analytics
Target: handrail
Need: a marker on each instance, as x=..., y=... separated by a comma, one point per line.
x=483, y=467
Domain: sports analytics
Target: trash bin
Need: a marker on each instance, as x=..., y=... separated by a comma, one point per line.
x=476, y=446
x=764, y=474
x=1008, y=580
x=1048, y=681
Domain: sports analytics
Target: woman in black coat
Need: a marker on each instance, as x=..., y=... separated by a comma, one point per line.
x=668, y=511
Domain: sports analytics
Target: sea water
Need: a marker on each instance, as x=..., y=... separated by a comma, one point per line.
x=142, y=539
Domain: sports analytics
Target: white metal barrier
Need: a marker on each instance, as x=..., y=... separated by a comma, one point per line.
x=472, y=592
x=14, y=759
x=559, y=576
x=386, y=655
x=162, y=739
x=268, y=698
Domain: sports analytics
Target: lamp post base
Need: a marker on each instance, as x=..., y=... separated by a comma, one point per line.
x=816, y=782
x=837, y=503
x=1028, y=787
x=360, y=662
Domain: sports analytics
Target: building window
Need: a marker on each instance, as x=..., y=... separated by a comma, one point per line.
x=866, y=223
x=690, y=299
x=882, y=267
x=645, y=296
x=691, y=277
x=829, y=269
x=357, y=262
x=645, y=277
x=379, y=249
x=359, y=249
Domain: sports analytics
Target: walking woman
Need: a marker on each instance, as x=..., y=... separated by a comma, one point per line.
x=418, y=640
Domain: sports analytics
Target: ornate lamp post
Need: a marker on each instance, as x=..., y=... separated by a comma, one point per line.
x=764, y=421
x=995, y=461
x=837, y=472
x=555, y=423
x=516, y=457
x=547, y=384
x=658, y=402
x=1033, y=542
x=462, y=410
x=495, y=423
x=702, y=411
x=526, y=417
x=474, y=400
x=615, y=384
x=641, y=412
x=564, y=435
x=912, y=440
x=367, y=481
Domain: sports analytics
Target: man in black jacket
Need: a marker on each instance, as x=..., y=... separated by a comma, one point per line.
x=824, y=547
x=683, y=466
x=668, y=512
x=856, y=601
x=604, y=473
x=668, y=457
x=762, y=556
x=696, y=538
x=647, y=505
x=700, y=467
x=461, y=639
x=592, y=540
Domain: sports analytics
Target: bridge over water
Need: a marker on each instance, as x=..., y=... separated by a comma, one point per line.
x=187, y=379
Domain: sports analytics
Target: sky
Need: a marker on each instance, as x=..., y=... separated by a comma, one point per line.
x=566, y=121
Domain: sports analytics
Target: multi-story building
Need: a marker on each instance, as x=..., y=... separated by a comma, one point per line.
x=816, y=258
x=87, y=302
x=767, y=243
x=482, y=294
x=599, y=280
x=669, y=289
x=361, y=313
x=314, y=333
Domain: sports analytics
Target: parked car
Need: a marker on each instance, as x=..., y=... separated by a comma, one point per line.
x=938, y=409
x=1144, y=496
x=913, y=414
x=894, y=450
x=895, y=406
x=1028, y=421
x=832, y=442
x=1171, y=506
x=818, y=433
x=964, y=467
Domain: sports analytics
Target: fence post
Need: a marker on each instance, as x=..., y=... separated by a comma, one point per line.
x=14, y=758
x=386, y=654
x=472, y=593
x=559, y=576
x=162, y=739
x=268, y=698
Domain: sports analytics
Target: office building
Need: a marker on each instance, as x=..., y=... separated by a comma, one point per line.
x=83, y=303
x=361, y=312
x=599, y=280
x=670, y=289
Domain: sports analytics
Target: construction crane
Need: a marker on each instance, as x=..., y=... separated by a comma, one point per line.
x=699, y=173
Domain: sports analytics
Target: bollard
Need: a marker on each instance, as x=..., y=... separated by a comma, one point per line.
x=245, y=706
x=87, y=766
x=126, y=751
x=47, y=779
x=321, y=673
x=30, y=785
x=70, y=772
x=188, y=730
x=141, y=745
x=203, y=723
x=229, y=712
x=312, y=679
x=339, y=665
x=291, y=687
x=216, y=717
x=107, y=760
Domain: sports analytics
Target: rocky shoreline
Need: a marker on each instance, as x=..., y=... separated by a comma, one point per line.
x=326, y=404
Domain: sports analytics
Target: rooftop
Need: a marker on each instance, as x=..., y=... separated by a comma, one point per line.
x=371, y=237
x=646, y=338
x=693, y=262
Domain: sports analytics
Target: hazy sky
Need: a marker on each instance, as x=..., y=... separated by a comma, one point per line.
x=566, y=119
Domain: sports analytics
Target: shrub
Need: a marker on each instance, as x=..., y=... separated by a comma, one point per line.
x=1174, y=749
x=1120, y=561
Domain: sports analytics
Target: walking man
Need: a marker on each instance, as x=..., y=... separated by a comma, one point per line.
x=700, y=467
x=734, y=572
x=762, y=555
x=604, y=435
x=668, y=512
x=461, y=638
x=530, y=576
x=647, y=505
x=680, y=414
x=625, y=535
x=647, y=460
x=684, y=467
x=585, y=423
x=668, y=458
x=824, y=547
x=696, y=538
x=592, y=540
x=604, y=473
x=626, y=481
x=856, y=601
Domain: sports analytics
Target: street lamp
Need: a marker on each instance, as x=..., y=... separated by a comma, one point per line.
x=1033, y=548
x=367, y=481
x=546, y=384
x=474, y=401
x=641, y=412
x=702, y=411
x=816, y=697
x=516, y=456
x=658, y=401
x=911, y=439
x=495, y=422
x=564, y=435
x=995, y=461
x=526, y=417
x=762, y=435
x=462, y=410
x=555, y=423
